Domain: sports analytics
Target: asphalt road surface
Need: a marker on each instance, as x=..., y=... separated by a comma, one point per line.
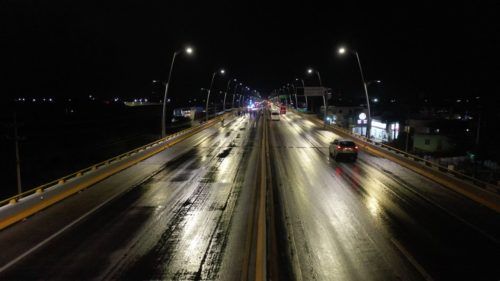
x=185, y=214
x=187, y=221
x=372, y=219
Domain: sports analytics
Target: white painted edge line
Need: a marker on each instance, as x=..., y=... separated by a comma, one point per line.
x=59, y=232
x=50, y=238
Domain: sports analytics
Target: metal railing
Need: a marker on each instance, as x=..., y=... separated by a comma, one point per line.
x=410, y=157
x=41, y=188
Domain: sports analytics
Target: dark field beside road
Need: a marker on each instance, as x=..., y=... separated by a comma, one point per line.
x=61, y=138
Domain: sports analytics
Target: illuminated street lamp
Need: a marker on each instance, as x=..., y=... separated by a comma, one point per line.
x=295, y=92
x=234, y=93
x=188, y=50
x=310, y=71
x=342, y=51
x=221, y=71
x=287, y=86
x=225, y=93
x=303, y=87
x=373, y=81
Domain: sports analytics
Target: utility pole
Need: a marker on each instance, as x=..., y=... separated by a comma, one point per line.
x=478, y=129
x=16, y=140
x=407, y=131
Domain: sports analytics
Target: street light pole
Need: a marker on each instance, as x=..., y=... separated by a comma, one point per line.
x=368, y=127
x=234, y=93
x=18, y=159
x=209, y=90
x=289, y=94
x=286, y=96
x=164, y=111
x=225, y=94
x=295, y=92
x=310, y=70
x=324, y=99
x=189, y=51
x=303, y=87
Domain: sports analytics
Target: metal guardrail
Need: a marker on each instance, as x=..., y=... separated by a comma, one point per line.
x=411, y=157
x=40, y=189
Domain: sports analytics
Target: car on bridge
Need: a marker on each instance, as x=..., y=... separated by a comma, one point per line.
x=343, y=148
x=275, y=115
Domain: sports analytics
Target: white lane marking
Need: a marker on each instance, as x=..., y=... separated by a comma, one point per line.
x=50, y=238
x=53, y=236
x=412, y=260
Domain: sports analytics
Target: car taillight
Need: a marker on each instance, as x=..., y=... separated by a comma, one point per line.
x=356, y=147
x=339, y=147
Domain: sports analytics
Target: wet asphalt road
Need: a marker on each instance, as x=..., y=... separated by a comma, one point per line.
x=368, y=220
x=372, y=219
x=186, y=222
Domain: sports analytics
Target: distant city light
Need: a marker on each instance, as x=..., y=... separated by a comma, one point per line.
x=341, y=50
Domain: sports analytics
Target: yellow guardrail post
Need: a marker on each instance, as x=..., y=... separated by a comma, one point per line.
x=49, y=201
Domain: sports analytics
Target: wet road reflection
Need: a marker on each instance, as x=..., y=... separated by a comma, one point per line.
x=372, y=220
x=367, y=220
x=187, y=221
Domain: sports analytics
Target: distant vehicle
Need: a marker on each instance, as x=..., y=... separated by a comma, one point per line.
x=343, y=148
x=283, y=109
x=275, y=115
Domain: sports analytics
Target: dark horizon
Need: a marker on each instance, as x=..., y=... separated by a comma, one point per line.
x=76, y=49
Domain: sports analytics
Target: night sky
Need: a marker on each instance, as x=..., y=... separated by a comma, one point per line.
x=76, y=48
